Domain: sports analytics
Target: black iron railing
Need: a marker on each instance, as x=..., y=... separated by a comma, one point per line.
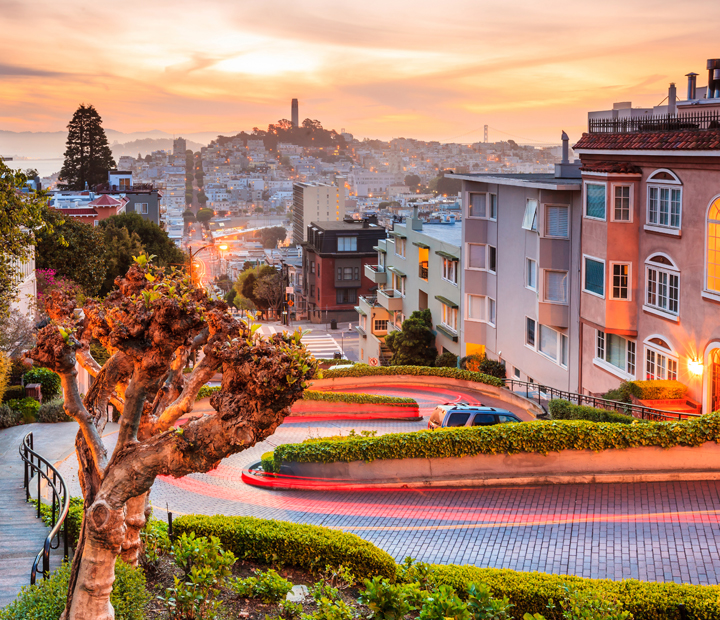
x=40, y=468
x=543, y=394
x=685, y=121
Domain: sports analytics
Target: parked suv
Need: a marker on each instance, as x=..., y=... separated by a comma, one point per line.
x=462, y=414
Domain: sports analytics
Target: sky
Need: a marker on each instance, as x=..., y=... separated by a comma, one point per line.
x=378, y=68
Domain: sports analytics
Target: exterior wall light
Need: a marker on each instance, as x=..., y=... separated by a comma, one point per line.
x=695, y=366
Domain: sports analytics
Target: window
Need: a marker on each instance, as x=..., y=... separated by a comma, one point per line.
x=476, y=255
x=530, y=217
x=621, y=210
x=595, y=201
x=398, y=283
x=660, y=362
x=556, y=286
x=381, y=325
x=493, y=206
x=713, y=247
x=557, y=222
x=531, y=274
x=483, y=419
x=480, y=308
x=530, y=332
x=450, y=270
x=356, y=273
x=615, y=352
x=339, y=273
x=563, y=350
x=664, y=206
x=347, y=273
x=548, y=344
x=458, y=418
x=662, y=286
x=492, y=258
x=449, y=317
x=478, y=205
x=312, y=290
x=620, y=281
x=516, y=373
x=594, y=276
x=504, y=419
x=345, y=295
x=312, y=266
x=141, y=207
x=347, y=244
x=400, y=244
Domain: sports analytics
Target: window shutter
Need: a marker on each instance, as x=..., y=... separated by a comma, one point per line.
x=477, y=205
x=556, y=286
x=477, y=256
x=557, y=222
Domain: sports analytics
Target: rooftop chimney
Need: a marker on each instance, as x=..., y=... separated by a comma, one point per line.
x=692, y=85
x=416, y=222
x=565, y=169
x=672, y=99
x=565, y=148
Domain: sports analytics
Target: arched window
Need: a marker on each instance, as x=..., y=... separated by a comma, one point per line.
x=713, y=247
x=664, y=200
x=662, y=284
x=661, y=362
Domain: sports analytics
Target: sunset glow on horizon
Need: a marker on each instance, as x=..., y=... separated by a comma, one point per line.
x=428, y=70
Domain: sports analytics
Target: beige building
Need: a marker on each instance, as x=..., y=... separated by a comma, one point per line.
x=316, y=202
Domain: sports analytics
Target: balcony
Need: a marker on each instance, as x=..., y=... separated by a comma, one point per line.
x=423, y=271
x=390, y=299
x=376, y=274
x=683, y=121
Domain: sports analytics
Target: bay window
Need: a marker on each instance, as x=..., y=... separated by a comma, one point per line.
x=615, y=352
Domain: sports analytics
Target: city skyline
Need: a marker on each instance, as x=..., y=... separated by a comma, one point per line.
x=436, y=72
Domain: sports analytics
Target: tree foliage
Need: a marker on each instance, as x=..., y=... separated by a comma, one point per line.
x=310, y=134
x=412, y=180
x=269, y=290
x=72, y=249
x=271, y=236
x=204, y=216
x=120, y=248
x=154, y=240
x=446, y=186
x=247, y=299
x=413, y=345
x=88, y=157
x=21, y=215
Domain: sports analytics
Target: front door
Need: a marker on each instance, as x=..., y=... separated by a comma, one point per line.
x=715, y=381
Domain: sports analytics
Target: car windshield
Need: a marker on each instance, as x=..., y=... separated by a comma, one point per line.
x=458, y=418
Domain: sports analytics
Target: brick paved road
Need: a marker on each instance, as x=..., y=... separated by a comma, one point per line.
x=654, y=531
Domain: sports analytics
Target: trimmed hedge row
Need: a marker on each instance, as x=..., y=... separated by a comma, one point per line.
x=364, y=370
x=330, y=360
x=355, y=398
x=206, y=391
x=564, y=410
x=530, y=592
x=539, y=437
x=310, y=547
x=659, y=389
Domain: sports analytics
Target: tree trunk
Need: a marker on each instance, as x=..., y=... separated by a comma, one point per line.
x=136, y=515
x=103, y=535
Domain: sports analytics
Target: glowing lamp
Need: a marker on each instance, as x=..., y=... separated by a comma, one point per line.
x=695, y=366
x=223, y=247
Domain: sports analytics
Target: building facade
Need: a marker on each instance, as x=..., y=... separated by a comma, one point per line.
x=316, y=202
x=418, y=267
x=520, y=286
x=334, y=259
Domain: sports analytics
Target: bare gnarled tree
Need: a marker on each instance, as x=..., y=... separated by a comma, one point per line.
x=151, y=324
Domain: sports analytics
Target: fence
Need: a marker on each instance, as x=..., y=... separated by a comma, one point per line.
x=690, y=121
x=60, y=503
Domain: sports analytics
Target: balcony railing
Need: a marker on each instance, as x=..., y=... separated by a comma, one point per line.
x=696, y=120
x=370, y=300
x=423, y=271
x=376, y=268
x=135, y=187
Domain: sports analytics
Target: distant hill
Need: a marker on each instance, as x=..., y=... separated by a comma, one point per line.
x=147, y=146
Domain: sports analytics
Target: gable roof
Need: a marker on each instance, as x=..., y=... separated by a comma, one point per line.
x=106, y=201
x=690, y=140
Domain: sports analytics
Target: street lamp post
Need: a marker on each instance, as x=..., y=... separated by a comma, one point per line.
x=196, y=252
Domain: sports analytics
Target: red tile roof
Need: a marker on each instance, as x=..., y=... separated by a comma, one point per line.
x=78, y=212
x=106, y=201
x=617, y=167
x=691, y=140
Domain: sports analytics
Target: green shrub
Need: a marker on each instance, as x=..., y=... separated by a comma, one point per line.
x=386, y=601
x=27, y=407
x=334, y=362
x=539, y=437
x=483, y=606
x=660, y=390
x=73, y=521
x=53, y=411
x=623, y=392
x=206, y=391
x=46, y=599
x=444, y=604
x=355, y=398
x=9, y=417
x=14, y=392
x=5, y=371
x=49, y=381
x=100, y=353
x=564, y=410
x=446, y=360
x=483, y=364
x=267, y=460
x=530, y=592
x=279, y=542
x=268, y=586
x=363, y=370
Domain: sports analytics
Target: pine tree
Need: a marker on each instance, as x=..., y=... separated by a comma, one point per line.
x=87, y=156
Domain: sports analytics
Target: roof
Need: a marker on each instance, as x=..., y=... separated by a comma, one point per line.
x=106, y=201
x=343, y=225
x=540, y=180
x=616, y=167
x=79, y=212
x=690, y=140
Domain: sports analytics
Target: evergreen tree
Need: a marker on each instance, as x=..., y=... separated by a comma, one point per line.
x=413, y=346
x=87, y=156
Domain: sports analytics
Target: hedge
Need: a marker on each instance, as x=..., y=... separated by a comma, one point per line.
x=659, y=390
x=206, y=391
x=539, y=437
x=49, y=381
x=364, y=370
x=329, y=360
x=351, y=397
x=309, y=547
x=530, y=592
x=564, y=410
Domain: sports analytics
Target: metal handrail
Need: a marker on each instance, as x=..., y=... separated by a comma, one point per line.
x=638, y=411
x=34, y=463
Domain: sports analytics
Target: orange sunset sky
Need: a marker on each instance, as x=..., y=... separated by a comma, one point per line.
x=379, y=68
